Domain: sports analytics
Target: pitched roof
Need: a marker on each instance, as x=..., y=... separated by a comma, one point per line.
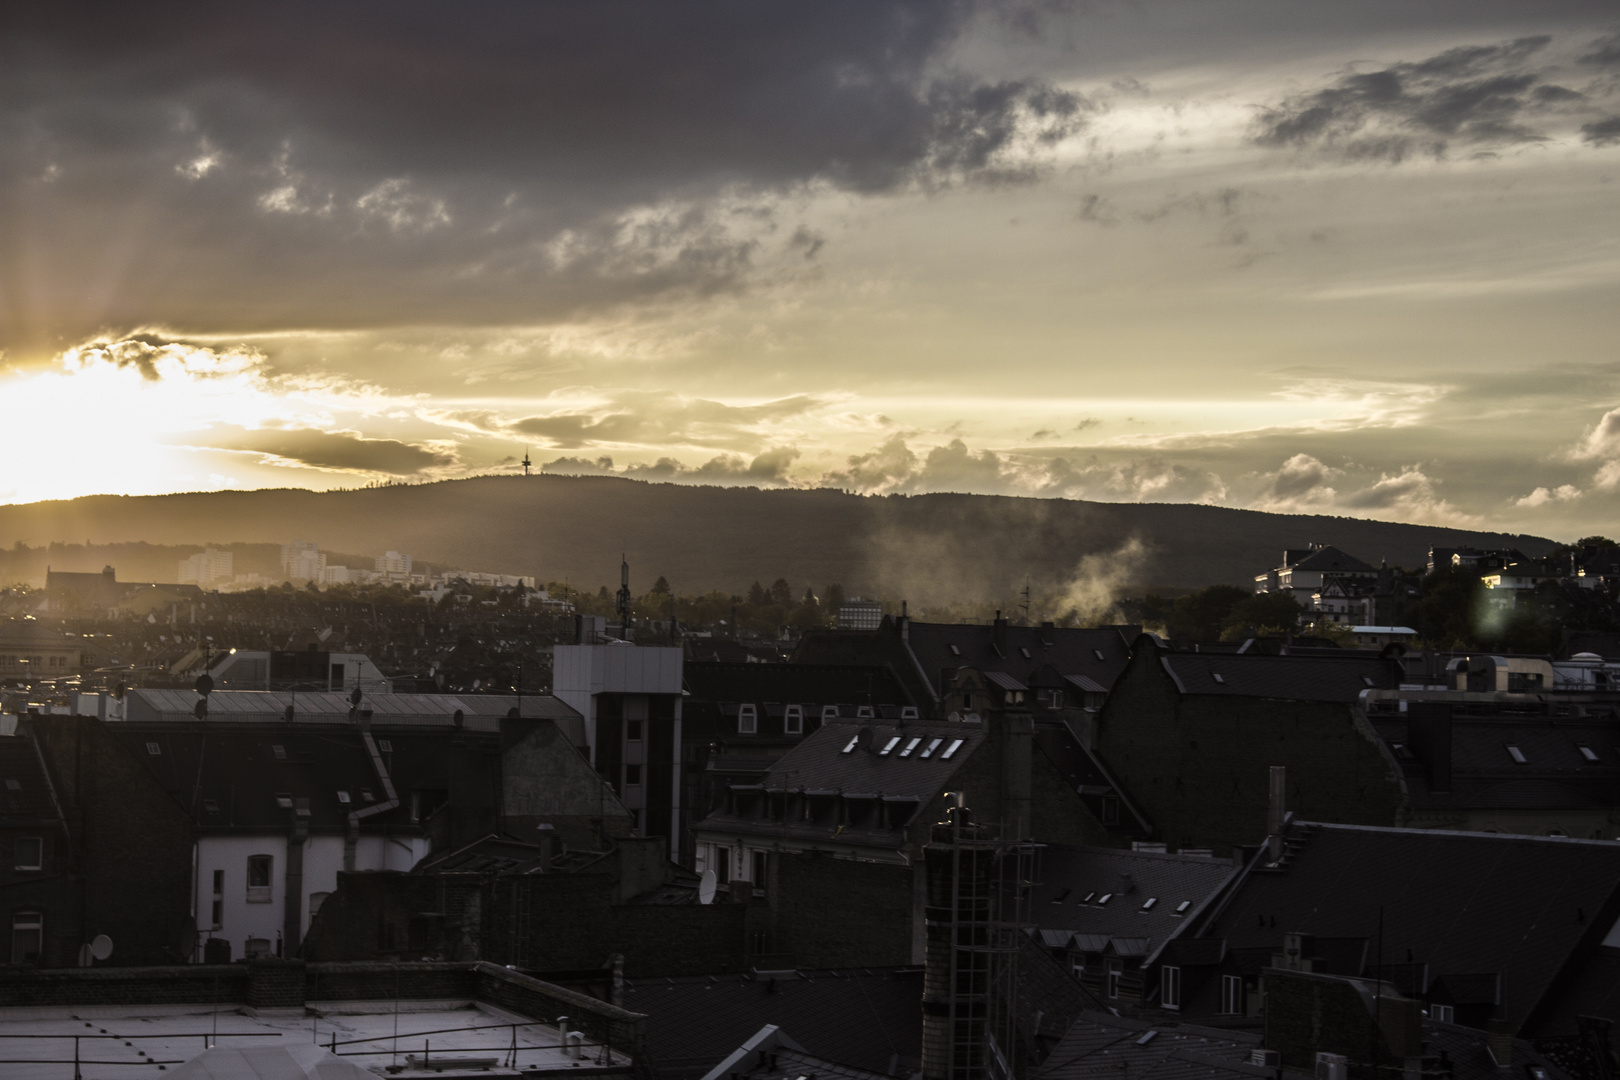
x=1287, y=677
x=818, y=684
x=1462, y=903
x=861, y=1017
x=826, y=761
x=480, y=712
x=1331, y=560
x=25, y=792
x=1099, y=1043
x=1099, y=654
x=1069, y=875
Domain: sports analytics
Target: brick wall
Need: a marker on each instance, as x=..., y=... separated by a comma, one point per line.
x=833, y=913
x=193, y=984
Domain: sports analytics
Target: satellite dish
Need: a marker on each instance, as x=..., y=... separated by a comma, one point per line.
x=101, y=947
x=706, y=888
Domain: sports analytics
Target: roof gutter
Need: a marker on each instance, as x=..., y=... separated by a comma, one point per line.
x=352, y=837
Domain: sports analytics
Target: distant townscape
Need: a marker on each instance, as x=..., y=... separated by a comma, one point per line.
x=1357, y=820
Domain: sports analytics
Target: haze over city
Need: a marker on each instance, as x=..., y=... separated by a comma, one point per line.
x=1346, y=259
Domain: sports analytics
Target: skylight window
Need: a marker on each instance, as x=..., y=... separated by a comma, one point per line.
x=279, y=750
x=955, y=651
x=1088, y=898
x=385, y=746
x=1367, y=679
x=343, y=797
x=1098, y=653
x=956, y=744
x=1181, y=908
x=1024, y=651
x=1104, y=898
x=1588, y=753
x=365, y=793
x=933, y=744
x=284, y=801
x=1517, y=755
x=1147, y=905
x=849, y=748
x=910, y=746
x=154, y=749
x=890, y=745
x=1218, y=677
x=13, y=785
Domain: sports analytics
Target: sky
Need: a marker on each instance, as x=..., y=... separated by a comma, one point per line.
x=1357, y=259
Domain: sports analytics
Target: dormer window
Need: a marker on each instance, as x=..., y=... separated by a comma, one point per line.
x=908, y=712
x=1517, y=755
x=829, y=712
x=866, y=712
x=1367, y=679
x=793, y=720
x=748, y=720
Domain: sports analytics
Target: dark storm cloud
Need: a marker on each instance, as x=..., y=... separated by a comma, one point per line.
x=362, y=163
x=344, y=451
x=1602, y=132
x=1477, y=96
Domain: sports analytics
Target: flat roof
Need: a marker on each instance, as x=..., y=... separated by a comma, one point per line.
x=141, y=1042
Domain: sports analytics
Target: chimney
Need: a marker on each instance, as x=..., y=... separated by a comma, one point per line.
x=1127, y=885
x=1499, y=1042
x=1429, y=733
x=905, y=622
x=548, y=846
x=1048, y=633
x=998, y=634
x=1276, y=813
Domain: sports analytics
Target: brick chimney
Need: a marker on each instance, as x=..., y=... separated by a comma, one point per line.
x=998, y=634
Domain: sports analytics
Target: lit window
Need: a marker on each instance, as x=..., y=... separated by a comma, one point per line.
x=956, y=744
x=849, y=747
x=258, y=878
x=890, y=745
x=27, y=937
x=793, y=720
x=910, y=746
x=1170, y=987
x=747, y=720
x=1517, y=755
x=933, y=744
x=30, y=853
x=1589, y=754
x=1232, y=995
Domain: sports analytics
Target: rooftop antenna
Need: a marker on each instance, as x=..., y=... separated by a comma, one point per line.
x=1025, y=595
x=624, y=597
x=527, y=464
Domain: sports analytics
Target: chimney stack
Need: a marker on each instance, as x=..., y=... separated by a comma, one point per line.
x=998, y=634
x=1276, y=813
x=548, y=846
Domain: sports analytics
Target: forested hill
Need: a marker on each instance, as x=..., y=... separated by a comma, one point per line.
x=929, y=548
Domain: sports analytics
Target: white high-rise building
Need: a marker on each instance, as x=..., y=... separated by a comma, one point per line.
x=393, y=563
x=207, y=568
x=302, y=560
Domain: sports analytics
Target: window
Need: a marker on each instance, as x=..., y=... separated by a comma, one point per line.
x=211, y=805
x=747, y=720
x=632, y=775
x=829, y=712
x=1517, y=755
x=793, y=720
x=910, y=746
x=866, y=712
x=1445, y=1014
x=1111, y=983
x=1110, y=809
x=758, y=869
x=1054, y=699
x=284, y=801
x=1098, y=653
x=30, y=854
x=890, y=745
x=909, y=712
x=1104, y=898
x=1147, y=905
x=1232, y=995
x=1181, y=908
x=955, y=651
x=218, y=919
x=1588, y=753
x=1025, y=651
x=849, y=747
x=956, y=744
x=154, y=749
x=632, y=730
x=27, y=937
x=722, y=864
x=258, y=878
x=1170, y=987
x=1077, y=965
x=279, y=750
x=386, y=747
x=933, y=744
x=1219, y=678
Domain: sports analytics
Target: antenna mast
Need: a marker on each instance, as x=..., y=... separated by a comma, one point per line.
x=527, y=464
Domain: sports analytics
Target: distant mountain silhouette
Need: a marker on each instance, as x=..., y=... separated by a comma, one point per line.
x=928, y=548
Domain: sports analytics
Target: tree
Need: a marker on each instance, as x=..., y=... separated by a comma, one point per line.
x=1444, y=617
x=660, y=587
x=1276, y=612
x=810, y=598
x=1200, y=615
x=757, y=596
x=781, y=592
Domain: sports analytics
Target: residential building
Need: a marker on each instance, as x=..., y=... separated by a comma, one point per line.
x=630, y=698
x=394, y=565
x=302, y=560
x=30, y=650
x=858, y=614
x=1304, y=571
x=293, y=670
x=207, y=567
